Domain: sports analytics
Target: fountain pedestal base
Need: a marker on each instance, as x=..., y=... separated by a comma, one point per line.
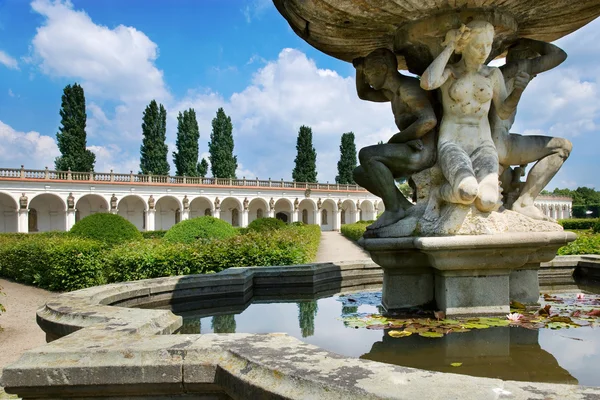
x=465, y=275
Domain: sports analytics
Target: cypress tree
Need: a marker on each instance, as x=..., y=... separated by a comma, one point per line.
x=186, y=156
x=154, y=150
x=305, y=169
x=222, y=161
x=307, y=311
x=71, y=137
x=202, y=168
x=347, y=161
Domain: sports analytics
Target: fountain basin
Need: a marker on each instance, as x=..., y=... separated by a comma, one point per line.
x=125, y=352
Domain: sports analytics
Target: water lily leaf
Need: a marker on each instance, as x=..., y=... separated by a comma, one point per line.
x=377, y=327
x=431, y=334
x=449, y=321
x=456, y=364
x=517, y=305
x=415, y=329
x=494, y=321
x=397, y=334
x=473, y=325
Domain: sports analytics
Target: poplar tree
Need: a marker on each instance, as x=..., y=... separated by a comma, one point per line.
x=305, y=169
x=186, y=156
x=222, y=161
x=71, y=136
x=154, y=149
x=202, y=168
x=347, y=161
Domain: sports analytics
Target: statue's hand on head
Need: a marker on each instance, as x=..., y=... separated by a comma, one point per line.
x=457, y=38
x=521, y=81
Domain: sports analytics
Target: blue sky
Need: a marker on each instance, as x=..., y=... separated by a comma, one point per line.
x=236, y=54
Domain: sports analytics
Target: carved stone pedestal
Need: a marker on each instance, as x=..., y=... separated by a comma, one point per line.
x=465, y=275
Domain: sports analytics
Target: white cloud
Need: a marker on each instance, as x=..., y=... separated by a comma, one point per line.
x=8, y=61
x=114, y=63
x=31, y=149
x=11, y=93
x=112, y=157
x=255, y=8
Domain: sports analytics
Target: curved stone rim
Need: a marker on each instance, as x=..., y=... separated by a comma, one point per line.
x=129, y=350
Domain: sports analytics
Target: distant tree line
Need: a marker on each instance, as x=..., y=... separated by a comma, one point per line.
x=72, y=143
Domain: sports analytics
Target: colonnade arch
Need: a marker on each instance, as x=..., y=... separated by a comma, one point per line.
x=133, y=208
x=168, y=212
x=306, y=209
x=231, y=211
x=9, y=215
x=284, y=210
x=89, y=204
x=348, y=214
x=328, y=215
x=200, y=207
x=257, y=208
x=47, y=212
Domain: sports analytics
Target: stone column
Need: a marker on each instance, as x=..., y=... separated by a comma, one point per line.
x=294, y=216
x=244, y=218
x=524, y=285
x=185, y=214
x=217, y=213
x=337, y=220
x=23, y=221
x=318, y=217
x=150, y=219
x=70, y=216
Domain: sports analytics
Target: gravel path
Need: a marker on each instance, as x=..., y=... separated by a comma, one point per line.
x=19, y=331
x=336, y=247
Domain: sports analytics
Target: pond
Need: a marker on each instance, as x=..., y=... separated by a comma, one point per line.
x=539, y=348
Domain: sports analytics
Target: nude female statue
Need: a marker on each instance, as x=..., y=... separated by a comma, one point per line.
x=409, y=151
x=466, y=151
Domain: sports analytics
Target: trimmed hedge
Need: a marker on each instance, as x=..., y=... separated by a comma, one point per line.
x=108, y=228
x=578, y=223
x=153, y=234
x=586, y=243
x=54, y=263
x=206, y=227
x=154, y=259
x=355, y=231
x=266, y=224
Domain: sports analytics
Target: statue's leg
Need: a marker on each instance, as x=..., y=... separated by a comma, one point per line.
x=379, y=166
x=457, y=168
x=550, y=154
x=486, y=167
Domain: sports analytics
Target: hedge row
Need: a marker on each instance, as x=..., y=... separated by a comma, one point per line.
x=586, y=243
x=355, y=231
x=65, y=263
x=578, y=223
x=153, y=234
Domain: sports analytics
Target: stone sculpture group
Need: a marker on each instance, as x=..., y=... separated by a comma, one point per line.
x=454, y=143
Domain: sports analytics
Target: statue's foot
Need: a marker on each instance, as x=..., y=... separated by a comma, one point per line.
x=432, y=211
x=387, y=218
x=488, y=195
x=531, y=211
x=467, y=190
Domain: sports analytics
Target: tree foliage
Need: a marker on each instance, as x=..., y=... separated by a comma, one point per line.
x=222, y=161
x=347, y=161
x=154, y=150
x=202, y=167
x=186, y=156
x=305, y=169
x=71, y=137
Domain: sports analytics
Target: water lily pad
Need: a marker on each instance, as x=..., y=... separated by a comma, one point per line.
x=431, y=334
x=457, y=364
x=474, y=325
x=397, y=334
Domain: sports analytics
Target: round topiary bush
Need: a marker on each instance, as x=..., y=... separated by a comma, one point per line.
x=266, y=224
x=199, y=228
x=105, y=227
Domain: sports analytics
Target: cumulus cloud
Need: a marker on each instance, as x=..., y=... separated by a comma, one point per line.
x=8, y=61
x=112, y=63
x=31, y=149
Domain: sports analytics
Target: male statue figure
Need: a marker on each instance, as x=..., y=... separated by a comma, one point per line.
x=409, y=151
x=549, y=153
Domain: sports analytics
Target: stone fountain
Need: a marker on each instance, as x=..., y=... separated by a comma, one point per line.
x=471, y=240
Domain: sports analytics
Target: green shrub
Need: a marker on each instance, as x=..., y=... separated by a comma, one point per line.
x=578, y=223
x=153, y=234
x=266, y=224
x=586, y=243
x=206, y=227
x=153, y=258
x=355, y=231
x=108, y=228
x=55, y=263
x=297, y=223
x=596, y=227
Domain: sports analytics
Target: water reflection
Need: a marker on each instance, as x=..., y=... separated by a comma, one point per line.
x=307, y=311
x=223, y=323
x=506, y=353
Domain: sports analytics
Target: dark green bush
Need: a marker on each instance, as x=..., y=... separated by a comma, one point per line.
x=199, y=228
x=586, y=243
x=153, y=234
x=152, y=259
x=596, y=227
x=266, y=224
x=55, y=263
x=297, y=223
x=108, y=228
x=355, y=231
x=578, y=223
